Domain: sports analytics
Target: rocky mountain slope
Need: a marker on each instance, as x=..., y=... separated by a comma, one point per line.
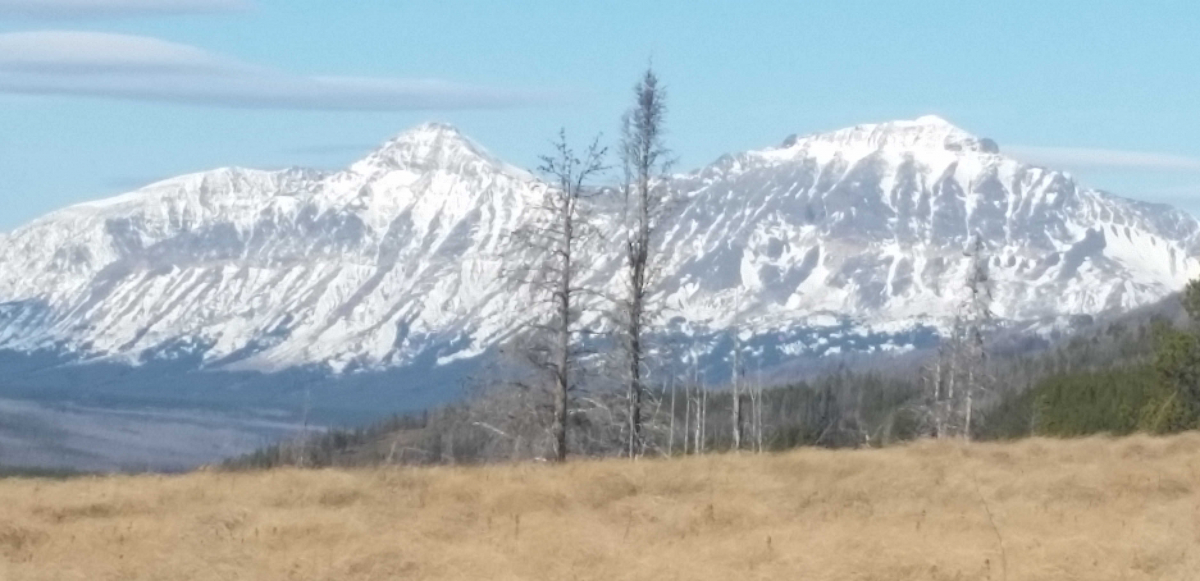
x=844, y=241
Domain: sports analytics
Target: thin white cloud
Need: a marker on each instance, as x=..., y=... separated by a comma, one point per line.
x=52, y=53
x=1186, y=194
x=142, y=68
x=331, y=149
x=1103, y=158
x=102, y=8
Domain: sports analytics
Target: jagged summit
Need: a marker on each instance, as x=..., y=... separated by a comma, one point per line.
x=926, y=132
x=426, y=147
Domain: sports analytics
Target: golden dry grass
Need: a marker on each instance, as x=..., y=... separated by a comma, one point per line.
x=1091, y=509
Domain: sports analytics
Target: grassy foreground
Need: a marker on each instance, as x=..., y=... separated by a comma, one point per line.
x=1089, y=509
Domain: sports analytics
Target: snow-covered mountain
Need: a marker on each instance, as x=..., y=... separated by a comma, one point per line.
x=856, y=234
x=871, y=222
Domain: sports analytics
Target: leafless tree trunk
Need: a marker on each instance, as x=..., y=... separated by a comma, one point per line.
x=557, y=237
x=978, y=316
x=698, y=428
x=644, y=160
x=959, y=375
x=967, y=413
x=302, y=453
x=687, y=416
x=864, y=435
x=671, y=436
x=936, y=384
x=736, y=412
x=736, y=403
x=756, y=409
x=952, y=369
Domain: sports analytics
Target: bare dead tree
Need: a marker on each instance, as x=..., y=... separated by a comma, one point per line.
x=976, y=314
x=958, y=377
x=513, y=408
x=671, y=436
x=687, y=415
x=756, y=409
x=736, y=403
x=703, y=417
x=644, y=159
x=302, y=452
x=938, y=378
x=699, y=406
x=557, y=235
x=941, y=415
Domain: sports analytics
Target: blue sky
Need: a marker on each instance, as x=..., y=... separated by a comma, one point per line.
x=101, y=96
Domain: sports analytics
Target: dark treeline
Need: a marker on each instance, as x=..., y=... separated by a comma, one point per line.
x=843, y=409
x=1140, y=374
x=45, y=473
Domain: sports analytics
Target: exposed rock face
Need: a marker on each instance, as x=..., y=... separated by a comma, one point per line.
x=853, y=233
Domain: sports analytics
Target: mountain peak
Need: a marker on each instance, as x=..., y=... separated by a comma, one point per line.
x=925, y=132
x=932, y=120
x=427, y=147
x=430, y=131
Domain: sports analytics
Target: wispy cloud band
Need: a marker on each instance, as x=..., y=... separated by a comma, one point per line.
x=58, y=54
x=103, y=8
x=1104, y=158
x=142, y=68
x=331, y=149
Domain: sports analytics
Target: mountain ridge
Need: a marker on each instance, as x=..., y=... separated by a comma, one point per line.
x=822, y=243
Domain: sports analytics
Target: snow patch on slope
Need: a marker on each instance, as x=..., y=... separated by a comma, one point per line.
x=398, y=259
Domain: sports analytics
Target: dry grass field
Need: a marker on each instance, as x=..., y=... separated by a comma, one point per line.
x=1091, y=509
